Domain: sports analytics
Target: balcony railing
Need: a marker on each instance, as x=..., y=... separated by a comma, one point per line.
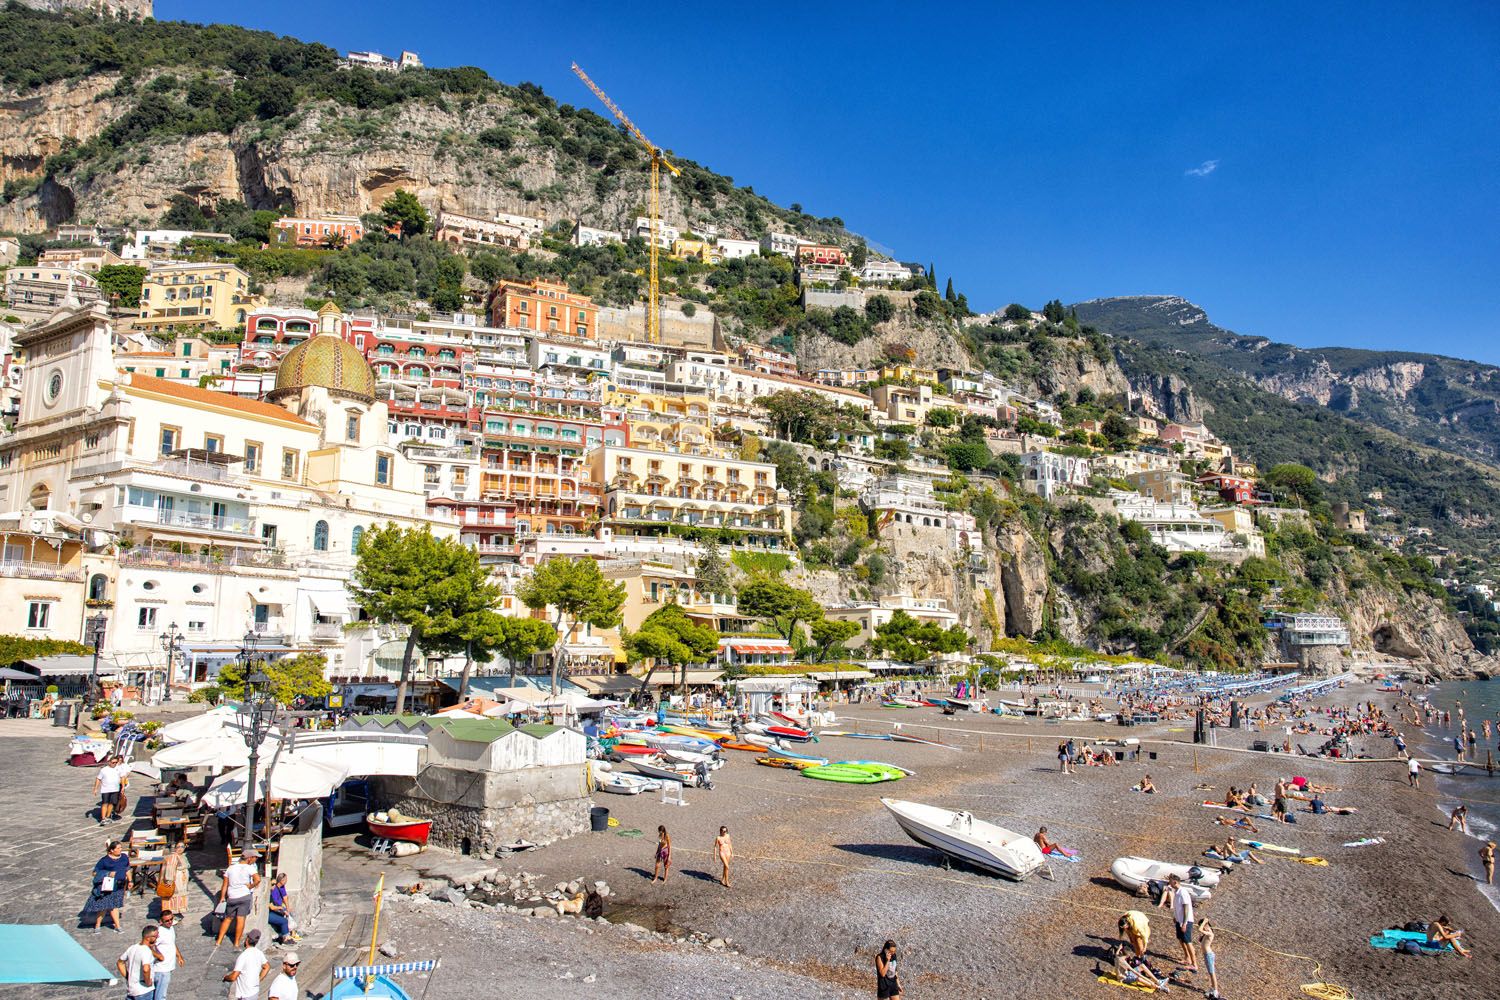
x=206, y=522
x=26, y=569
x=326, y=631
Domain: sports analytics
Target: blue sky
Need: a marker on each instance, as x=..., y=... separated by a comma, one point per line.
x=1322, y=174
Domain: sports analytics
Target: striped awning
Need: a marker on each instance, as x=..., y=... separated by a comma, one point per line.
x=388, y=969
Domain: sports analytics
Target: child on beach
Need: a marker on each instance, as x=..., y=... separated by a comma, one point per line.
x=1206, y=936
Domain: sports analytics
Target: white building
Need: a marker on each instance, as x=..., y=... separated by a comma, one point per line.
x=380, y=63
x=872, y=614
x=465, y=230
x=154, y=244
x=577, y=357
x=909, y=501
x=740, y=385
x=1047, y=473
x=587, y=236
x=783, y=243
x=731, y=249
x=884, y=272
x=665, y=234
x=1178, y=527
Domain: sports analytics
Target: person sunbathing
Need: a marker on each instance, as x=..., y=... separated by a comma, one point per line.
x=1239, y=822
x=1439, y=934
x=1044, y=843
x=1131, y=972
x=1254, y=798
x=1146, y=786
x=1231, y=850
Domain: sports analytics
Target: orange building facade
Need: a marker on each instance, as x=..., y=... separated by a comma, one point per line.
x=543, y=306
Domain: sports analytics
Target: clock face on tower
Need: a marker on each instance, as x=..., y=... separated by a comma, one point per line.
x=54, y=386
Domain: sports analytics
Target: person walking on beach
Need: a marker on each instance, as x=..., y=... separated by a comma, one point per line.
x=237, y=894
x=111, y=879
x=135, y=965
x=1181, y=903
x=250, y=969
x=1487, y=858
x=1413, y=773
x=168, y=955
x=1459, y=818
x=724, y=851
x=887, y=983
x=663, y=866
x=1062, y=757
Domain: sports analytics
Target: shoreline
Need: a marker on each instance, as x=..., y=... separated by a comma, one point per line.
x=823, y=875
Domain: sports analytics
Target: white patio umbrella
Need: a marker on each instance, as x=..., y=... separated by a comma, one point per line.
x=292, y=777
x=210, y=751
x=214, y=722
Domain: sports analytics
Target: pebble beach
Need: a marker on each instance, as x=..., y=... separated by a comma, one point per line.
x=823, y=875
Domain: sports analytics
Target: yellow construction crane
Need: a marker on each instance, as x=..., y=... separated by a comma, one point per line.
x=658, y=161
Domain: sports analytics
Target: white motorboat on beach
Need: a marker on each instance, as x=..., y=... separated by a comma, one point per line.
x=1134, y=872
x=688, y=758
x=656, y=767
x=958, y=834
x=620, y=783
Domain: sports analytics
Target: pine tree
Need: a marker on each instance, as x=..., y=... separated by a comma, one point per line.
x=949, y=293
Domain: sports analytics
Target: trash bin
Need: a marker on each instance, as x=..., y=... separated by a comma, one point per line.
x=62, y=713
x=598, y=819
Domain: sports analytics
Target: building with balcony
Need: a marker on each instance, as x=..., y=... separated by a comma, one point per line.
x=1161, y=482
x=35, y=292
x=665, y=234
x=909, y=501
x=543, y=306
x=823, y=254
x=1182, y=527
x=784, y=244
x=211, y=507
x=872, y=614
x=588, y=236
x=86, y=259
x=160, y=244
x=318, y=231
x=902, y=404
x=662, y=492
x=884, y=272
x=732, y=249
x=1298, y=629
x=699, y=250
x=467, y=231
x=208, y=296
x=568, y=356
x=1047, y=473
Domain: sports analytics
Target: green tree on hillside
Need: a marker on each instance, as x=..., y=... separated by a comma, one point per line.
x=1298, y=481
x=713, y=571
x=578, y=593
x=433, y=586
x=879, y=309
x=668, y=636
x=781, y=605
x=402, y=210
x=124, y=281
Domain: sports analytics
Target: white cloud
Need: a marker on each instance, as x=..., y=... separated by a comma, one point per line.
x=1202, y=170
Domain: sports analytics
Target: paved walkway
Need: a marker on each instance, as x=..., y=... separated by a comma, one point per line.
x=49, y=841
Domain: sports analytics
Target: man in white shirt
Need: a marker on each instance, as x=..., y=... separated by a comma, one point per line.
x=135, y=965
x=107, y=784
x=171, y=955
x=238, y=892
x=249, y=969
x=284, y=986
x=1413, y=769
x=1181, y=901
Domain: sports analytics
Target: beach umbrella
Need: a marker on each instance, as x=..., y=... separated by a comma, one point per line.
x=209, y=751
x=214, y=722
x=291, y=777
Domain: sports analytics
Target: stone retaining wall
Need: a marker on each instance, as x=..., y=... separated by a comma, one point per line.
x=475, y=812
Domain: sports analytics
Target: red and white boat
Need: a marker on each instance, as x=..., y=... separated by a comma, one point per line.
x=398, y=827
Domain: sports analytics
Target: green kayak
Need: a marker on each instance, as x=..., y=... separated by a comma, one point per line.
x=854, y=773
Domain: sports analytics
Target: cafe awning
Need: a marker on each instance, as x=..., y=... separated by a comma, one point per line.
x=695, y=678
x=613, y=684
x=330, y=603
x=67, y=665
x=841, y=675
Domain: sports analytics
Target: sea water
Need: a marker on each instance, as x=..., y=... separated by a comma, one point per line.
x=1481, y=793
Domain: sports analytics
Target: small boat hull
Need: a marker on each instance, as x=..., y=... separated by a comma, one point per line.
x=381, y=989
x=415, y=832
x=1134, y=872
x=960, y=836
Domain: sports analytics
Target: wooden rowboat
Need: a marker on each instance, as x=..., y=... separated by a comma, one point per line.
x=406, y=828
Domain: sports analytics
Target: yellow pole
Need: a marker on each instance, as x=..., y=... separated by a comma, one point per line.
x=375, y=929
x=653, y=331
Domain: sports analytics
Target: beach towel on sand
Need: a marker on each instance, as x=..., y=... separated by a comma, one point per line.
x=1390, y=940
x=1065, y=854
x=1112, y=981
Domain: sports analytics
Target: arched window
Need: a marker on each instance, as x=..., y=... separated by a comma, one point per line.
x=98, y=584
x=359, y=532
x=320, y=536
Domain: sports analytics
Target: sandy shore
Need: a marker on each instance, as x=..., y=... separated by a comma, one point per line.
x=824, y=875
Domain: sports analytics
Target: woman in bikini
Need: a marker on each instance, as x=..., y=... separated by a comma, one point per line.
x=663, y=866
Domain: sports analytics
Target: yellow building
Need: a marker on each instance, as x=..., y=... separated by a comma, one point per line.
x=209, y=296
x=667, y=420
x=909, y=373
x=1161, y=485
x=661, y=491
x=694, y=250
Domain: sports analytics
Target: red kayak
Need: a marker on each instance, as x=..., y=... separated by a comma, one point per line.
x=789, y=733
x=414, y=830
x=634, y=750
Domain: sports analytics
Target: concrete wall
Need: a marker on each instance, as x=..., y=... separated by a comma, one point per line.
x=684, y=331
x=825, y=298
x=482, y=810
x=301, y=857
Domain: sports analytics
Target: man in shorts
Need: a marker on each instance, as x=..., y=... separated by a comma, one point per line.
x=1181, y=902
x=108, y=785
x=238, y=893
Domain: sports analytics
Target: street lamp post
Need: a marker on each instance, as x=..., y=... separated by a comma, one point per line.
x=171, y=641
x=95, y=628
x=260, y=710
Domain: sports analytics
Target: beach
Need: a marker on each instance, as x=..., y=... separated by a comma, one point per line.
x=823, y=874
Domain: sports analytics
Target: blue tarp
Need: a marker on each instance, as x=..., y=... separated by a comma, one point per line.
x=45, y=953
